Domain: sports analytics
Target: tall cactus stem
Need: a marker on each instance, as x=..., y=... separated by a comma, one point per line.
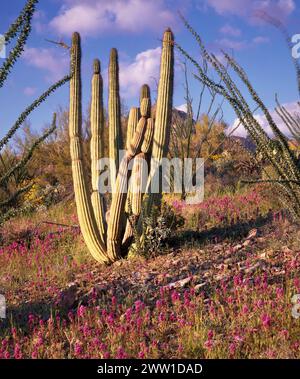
x=85, y=212
x=114, y=114
x=97, y=129
x=163, y=112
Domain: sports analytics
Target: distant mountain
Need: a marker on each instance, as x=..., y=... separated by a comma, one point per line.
x=246, y=142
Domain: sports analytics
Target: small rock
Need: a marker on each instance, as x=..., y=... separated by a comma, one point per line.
x=200, y=287
x=252, y=234
x=259, y=264
x=67, y=297
x=237, y=247
x=246, y=243
x=179, y=283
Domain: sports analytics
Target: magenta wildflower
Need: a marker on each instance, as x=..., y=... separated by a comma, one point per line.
x=81, y=311
x=208, y=344
x=78, y=348
x=121, y=353
x=17, y=352
x=266, y=320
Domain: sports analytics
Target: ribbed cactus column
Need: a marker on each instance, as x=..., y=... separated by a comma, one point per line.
x=140, y=170
x=145, y=93
x=148, y=139
x=114, y=233
x=133, y=120
x=114, y=113
x=163, y=112
x=97, y=129
x=132, y=200
x=85, y=212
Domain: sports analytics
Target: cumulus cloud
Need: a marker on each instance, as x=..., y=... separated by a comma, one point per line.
x=245, y=8
x=54, y=64
x=182, y=107
x=39, y=21
x=230, y=30
x=90, y=17
x=234, y=44
x=143, y=69
x=29, y=91
x=293, y=108
x=227, y=43
x=259, y=40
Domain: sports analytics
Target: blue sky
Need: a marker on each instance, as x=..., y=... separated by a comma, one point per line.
x=135, y=28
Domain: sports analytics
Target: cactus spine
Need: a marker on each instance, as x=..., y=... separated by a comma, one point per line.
x=140, y=134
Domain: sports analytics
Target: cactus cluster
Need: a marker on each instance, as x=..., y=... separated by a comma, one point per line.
x=108, y=234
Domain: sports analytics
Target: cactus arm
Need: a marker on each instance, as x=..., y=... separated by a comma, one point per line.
x=148, y=139
x=138, y=137
x=140, y=165
x=117, y=215
x=133, y=120
x=97, y=128
x=114, y=114
x=86, y=216
x=145, y=93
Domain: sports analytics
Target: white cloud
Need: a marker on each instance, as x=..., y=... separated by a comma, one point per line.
x=142, y=70
x=182, y=107
x=90, y=17
x=39, y=21
x=293, y=108
x=53, y=62
x=247, y=8
x=227, y=43
x=230, y=30
x=259, y=40
x=29, y=91
x=234, y=44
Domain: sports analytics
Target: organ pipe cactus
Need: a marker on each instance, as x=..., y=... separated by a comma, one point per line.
x=97, y=129
x=114, y=113
x=133, y=120
x=108, y=243
x=85, y=210
x=163, y=114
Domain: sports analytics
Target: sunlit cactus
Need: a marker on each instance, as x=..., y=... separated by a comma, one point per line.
x=109, y=240
x=114, y=112
x=97, y=129
x=163, y=114
x=133, y=120
x=85, y=211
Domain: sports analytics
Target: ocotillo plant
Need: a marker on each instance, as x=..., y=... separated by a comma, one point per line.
x=108, y=241
x=20, y=30
x=276, y=151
